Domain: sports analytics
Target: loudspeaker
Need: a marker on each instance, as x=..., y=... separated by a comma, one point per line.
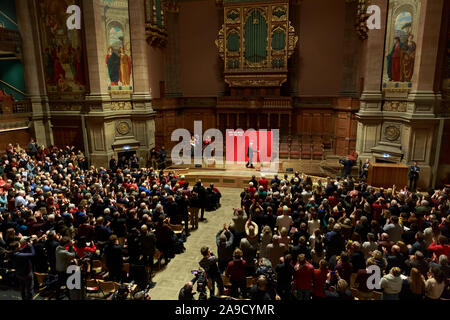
x=289, y=169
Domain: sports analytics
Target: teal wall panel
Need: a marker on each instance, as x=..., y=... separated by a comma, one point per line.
x=11, y=72
x=8, y=17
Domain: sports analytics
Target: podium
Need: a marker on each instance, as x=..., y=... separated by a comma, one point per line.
x=387, y=174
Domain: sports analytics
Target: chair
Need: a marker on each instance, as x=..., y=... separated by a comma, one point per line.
x=327, y=143
x=177, y=228
x=295, y=150
x=40, y=277
x=108, y=287
x=317, y=151
x=250, y=281
x=92, y=286
x=284, y=150
x=98, y=268
x=306, y=151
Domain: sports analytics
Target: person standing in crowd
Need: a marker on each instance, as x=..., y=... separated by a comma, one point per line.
x=64, y=255
x=162, y=158
x=22, y=255
x=236, y=273
x=209, y=264
x=201, y=192
x=154, y=158
x=303, y=278
x=32, y=148
x=365, y=170
x=392, y=284
x=348, y=165
x=113, y=164
x=413, y=175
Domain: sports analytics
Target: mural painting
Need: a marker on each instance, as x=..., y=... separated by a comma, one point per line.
x=62, y=49
x=403, y=16
x=118, y=59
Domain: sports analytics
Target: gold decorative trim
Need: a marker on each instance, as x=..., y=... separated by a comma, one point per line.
x=121, y=105
x=293, y=39
x=120, y=94
x=395, y=106
x=281, y=18
x=256, y=80
x=220, y=42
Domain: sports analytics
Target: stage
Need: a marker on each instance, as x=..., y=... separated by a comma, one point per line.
x=236, y=175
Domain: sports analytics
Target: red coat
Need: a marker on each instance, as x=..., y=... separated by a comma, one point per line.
x=378, y=210
x=264, y=183
x=303, y=278
x=81, y=252
x=440, y=249
x=236, y=270
x=319, y=279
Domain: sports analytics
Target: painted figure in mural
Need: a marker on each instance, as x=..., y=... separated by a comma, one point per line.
x=49, y=67
x=58, y=70
x=113, y=63
x=408, y=59
x=394, y=61
x=125, y=67
x=78, y=67
x=55, y=18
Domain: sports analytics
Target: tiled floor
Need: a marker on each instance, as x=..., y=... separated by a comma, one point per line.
x=170, y=280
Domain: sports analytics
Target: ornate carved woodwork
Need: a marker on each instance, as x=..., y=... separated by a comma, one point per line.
x=255, y=42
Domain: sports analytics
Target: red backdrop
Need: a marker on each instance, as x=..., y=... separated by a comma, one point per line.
x=237, y=151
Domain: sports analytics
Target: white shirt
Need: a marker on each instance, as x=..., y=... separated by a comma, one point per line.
x=284, y=221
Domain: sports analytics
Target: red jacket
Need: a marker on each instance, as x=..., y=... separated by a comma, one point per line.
x=332, y=201
x=264, y=183
x=440, y=249
x=319, y=279
x=81, y=252
x=236, y=270
x=303, y=278
x=378, y=210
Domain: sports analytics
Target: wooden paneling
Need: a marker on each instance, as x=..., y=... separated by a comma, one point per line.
x=22, y=137
x=327, y=117
x=67, y=132
x=386, y=175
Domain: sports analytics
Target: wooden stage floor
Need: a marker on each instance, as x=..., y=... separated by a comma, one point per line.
x=236, y=175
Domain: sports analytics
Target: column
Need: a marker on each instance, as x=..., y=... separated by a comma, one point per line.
x=422, y=98
x=33, y=71
x=141, y=96
x=370, y=114
x=373, y=64
x=94, y=35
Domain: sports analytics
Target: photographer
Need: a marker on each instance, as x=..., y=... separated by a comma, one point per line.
x=22, y=254
x=186, y=293
x=209, y=264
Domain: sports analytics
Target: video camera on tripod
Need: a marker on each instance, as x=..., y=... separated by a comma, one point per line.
x=202, y=283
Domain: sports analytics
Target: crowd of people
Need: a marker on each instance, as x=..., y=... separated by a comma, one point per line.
x=299, y=239
x=56, y=210
x=291, y=238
